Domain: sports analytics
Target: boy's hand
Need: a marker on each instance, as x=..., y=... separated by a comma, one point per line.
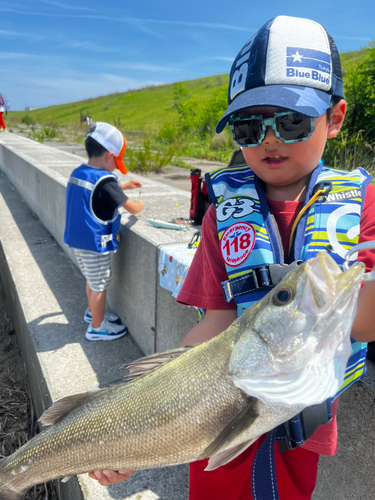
x=133, y=184
x=107, y=477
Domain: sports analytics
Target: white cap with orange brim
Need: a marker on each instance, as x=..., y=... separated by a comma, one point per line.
x=112, y=140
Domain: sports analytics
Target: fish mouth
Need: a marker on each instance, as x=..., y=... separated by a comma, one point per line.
x=311, y=368
x=328, y=282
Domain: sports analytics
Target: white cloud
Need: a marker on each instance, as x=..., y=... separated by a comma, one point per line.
x=22, y=34
x=46, y=82
x=69, y=43
x=143, y=67
x=11, y=56
x=135, y=21
x=62, y=5
x=359, y=38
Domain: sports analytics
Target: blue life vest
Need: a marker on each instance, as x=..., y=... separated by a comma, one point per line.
x=249, y=238
x=83, y=229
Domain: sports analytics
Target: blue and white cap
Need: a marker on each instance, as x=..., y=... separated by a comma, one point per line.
x=291, y=63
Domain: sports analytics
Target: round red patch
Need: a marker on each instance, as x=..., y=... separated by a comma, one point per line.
x=237, y=242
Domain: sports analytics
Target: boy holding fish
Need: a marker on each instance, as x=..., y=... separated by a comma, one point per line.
x=285, y=100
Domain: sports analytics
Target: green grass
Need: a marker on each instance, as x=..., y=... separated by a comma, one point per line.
x=349, y=59
x=144, y=110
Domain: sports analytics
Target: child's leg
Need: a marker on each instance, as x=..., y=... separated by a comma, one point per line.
x=2, y=123
x=97, y=270
x=97, y=307
x=88, y=293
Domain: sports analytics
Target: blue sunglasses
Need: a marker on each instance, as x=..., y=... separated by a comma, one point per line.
x=289, y=126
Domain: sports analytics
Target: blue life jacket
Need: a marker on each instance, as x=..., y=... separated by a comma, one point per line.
x=251, y=246
x=83, y=229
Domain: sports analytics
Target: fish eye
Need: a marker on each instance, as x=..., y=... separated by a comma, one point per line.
x=283, y=296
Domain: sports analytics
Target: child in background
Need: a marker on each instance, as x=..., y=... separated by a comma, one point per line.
x=285, y=100
x=92, y=223
x=4, y=104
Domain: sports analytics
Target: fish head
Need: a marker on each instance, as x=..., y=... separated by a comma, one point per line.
x=296, y=340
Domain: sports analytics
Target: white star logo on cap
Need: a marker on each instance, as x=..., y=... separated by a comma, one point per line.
x=297, y=57
x=309, y=98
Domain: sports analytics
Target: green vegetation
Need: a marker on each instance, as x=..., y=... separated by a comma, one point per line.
x=355, y=144
x=28, y=120
x=179, y=119
x=146, y=159
x=143, y=110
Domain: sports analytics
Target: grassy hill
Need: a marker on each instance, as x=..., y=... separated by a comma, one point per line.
x=143, y=110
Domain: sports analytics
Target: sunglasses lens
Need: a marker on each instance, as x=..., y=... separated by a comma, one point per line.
x=293, y=126
x=247, y=131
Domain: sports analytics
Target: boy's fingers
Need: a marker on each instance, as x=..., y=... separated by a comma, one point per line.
x=107, y=477
x=127, y=473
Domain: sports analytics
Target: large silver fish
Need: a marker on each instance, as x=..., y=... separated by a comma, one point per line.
x=210, y=400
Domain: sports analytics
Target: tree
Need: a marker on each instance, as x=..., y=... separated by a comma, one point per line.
x=360, y=94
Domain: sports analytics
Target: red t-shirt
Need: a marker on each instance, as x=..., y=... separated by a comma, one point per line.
x=202, y=288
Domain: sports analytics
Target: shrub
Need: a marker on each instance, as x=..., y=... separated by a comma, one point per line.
x=50, y=133
x=349, y=152
x=148, y=158
x=36, y=136
x=118, y=123
x=360, y=94
x=28, y=120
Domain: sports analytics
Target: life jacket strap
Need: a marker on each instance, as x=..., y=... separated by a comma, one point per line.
x=294, y=432
x=263, y=472
x=290, y=435
x=259, y=278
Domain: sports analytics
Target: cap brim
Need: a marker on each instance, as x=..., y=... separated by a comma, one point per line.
x=120, y=165
x=306, y=100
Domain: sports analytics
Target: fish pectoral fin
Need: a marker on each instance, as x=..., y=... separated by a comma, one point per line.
x=242, y=421
x=63, y=406
x=146, y=364
x=227, y=456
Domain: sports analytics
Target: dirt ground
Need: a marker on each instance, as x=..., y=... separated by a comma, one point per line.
x=17, y=420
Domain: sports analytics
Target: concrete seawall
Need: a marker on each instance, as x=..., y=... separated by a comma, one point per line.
x=156, y=321
x=46, y=293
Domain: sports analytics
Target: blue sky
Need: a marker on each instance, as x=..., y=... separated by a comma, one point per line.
x=57, y=51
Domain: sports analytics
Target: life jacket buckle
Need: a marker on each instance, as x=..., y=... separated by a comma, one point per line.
x=105, y=238
x=259, y=278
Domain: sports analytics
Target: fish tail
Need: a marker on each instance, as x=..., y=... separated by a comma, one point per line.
x=7, y=490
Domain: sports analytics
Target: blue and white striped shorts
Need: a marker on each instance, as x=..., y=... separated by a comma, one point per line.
x=96, y=268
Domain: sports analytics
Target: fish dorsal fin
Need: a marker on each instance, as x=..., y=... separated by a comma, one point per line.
x=241, y=422
x=63, y=406
x=144, y=365
x=227, y=456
